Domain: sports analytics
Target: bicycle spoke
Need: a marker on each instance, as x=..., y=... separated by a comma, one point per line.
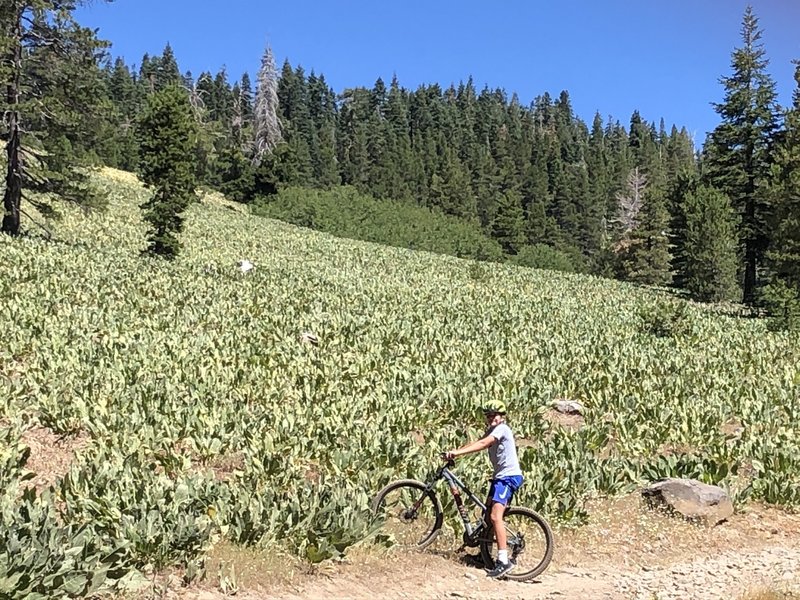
x=409, y=516
x=527, y=544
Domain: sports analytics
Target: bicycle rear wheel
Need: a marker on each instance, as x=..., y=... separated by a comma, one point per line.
x=411, y=515
x=530, y=544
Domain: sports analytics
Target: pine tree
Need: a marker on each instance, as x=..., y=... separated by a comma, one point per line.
x=508, y=226
x=166, y=130
x=451, y=191
x=266, y=126
x=647, y=258
x=246, y=98
x=785, y=255
x=486, y=186
x=223, y=99
x=708, y=264
x=52, y=83
x=597, y=166
x=236, y=174
x=682, y=174
x=148, y=70
x=352, y=140
x=296, y=125
x=737, y=155
x=122, y=88
x=326, y=171
x=399, y=140
x=122, y=92
x=166, y=70
x=783, y=292
x=540, y=227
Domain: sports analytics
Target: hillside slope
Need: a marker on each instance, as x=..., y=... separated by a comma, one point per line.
x=202, y=415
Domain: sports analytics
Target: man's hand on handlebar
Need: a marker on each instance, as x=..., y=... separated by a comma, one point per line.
x=448, y=456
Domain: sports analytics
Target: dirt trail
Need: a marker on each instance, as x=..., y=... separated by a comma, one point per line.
x=724, y=577
x=625, y=552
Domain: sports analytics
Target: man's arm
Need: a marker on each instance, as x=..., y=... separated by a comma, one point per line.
x=475, y=446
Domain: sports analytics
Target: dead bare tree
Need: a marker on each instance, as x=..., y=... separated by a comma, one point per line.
x=630, y=200
x=196, y=101
x=266, y=125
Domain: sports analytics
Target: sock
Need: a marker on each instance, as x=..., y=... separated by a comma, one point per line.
x=502, y=556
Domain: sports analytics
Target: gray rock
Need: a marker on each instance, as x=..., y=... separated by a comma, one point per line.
x=568, y=407
x=693, y=499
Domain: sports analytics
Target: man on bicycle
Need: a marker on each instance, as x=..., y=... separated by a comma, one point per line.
x=506, y=478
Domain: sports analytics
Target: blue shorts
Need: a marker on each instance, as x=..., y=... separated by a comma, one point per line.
x=502, y=489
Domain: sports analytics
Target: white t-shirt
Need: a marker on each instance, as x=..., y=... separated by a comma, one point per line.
x=503, y=453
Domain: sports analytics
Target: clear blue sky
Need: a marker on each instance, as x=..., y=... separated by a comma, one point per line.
x=661, y=57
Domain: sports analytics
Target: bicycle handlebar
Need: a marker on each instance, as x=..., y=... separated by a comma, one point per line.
x=449, y=462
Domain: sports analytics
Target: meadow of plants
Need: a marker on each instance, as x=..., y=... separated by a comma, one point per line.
x=207, y=418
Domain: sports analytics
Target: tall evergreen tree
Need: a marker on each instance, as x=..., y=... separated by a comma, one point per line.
x=647, y=258
x=166, y=130
x=707, y=268
x=223, y=99
x=784, y=254
x=508, y=226
x=50, y=75
x=737, y=155
x=122, y=89
x=148, y=70
x=246, y=98
x=123, y=151
x=166, y=70
x=296, y=124
x=352, y=140
x=398, y=140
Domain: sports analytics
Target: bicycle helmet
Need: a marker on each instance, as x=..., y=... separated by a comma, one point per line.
x=494, y=406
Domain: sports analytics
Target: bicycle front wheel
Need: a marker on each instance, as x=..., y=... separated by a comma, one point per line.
x=530, y=544
x=410, y=514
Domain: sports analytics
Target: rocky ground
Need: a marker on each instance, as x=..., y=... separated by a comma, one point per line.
x=625, y=552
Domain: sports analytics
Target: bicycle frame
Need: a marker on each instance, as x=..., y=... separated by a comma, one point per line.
x=456, y=486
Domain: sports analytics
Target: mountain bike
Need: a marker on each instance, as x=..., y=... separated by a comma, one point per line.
x=413, y=516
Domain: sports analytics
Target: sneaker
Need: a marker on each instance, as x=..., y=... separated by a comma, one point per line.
x=500, y=569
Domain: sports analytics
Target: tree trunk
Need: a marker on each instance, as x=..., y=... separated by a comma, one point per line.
x=751, y=256
x=750, y=230
x=13, y=194
x=12, y=198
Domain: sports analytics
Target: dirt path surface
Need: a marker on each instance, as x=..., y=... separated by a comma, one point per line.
x=724, y=577
x=626, y=552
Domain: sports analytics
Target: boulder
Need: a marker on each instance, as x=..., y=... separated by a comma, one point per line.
x=693, y=499
x=568, y=407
